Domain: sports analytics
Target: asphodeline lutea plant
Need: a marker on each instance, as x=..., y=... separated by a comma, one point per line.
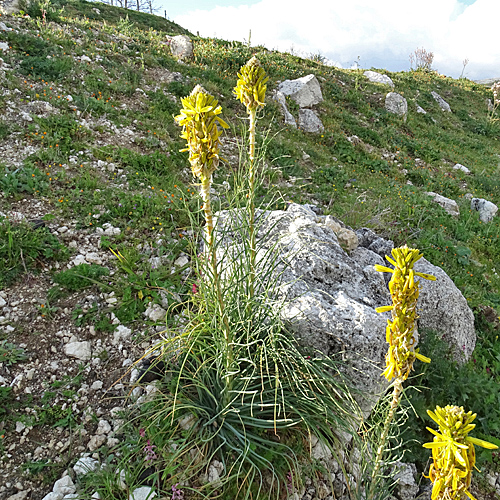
x=200, y=120
x=251, y=91
x=453, y=452
x=400, y=331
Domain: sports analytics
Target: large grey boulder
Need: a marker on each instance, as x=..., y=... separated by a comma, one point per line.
x=406, y=486
x=375, y=77
x=443, y=309
x=395, y=103
x=329, y=297
x=442, y=103
x=181, y=46
x=487, y=210
x=305, y=91
x=309, y=121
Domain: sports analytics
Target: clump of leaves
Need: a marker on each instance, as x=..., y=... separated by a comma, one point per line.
x=23, y=247
x=11, y=354
x=26, y=179
x=81, y=276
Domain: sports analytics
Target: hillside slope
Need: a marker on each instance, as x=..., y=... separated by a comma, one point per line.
x=90, y=166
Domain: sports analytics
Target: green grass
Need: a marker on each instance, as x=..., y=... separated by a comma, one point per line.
x=23, y=248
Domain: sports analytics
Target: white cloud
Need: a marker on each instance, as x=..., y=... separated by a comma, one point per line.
x=383, y=32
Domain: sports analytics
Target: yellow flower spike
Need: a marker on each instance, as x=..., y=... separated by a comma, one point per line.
x=453, y=452
x=251, y=85
x=200, y=121
x=404, y=291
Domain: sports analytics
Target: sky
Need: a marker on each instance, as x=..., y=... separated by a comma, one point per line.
x=377, y=33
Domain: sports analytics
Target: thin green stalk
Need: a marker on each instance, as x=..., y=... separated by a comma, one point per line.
x=251, y=195
x=396, y=398
x=212, y=255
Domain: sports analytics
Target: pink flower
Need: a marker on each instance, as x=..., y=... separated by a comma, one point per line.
x=194, y=289
x=142, y=433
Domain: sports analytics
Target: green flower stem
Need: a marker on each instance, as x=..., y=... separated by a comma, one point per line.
x=396, y=398
x=251, y=195
x=207, y=209
x=209, y=228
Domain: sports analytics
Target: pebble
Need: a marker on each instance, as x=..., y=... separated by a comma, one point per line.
x=64, y=486
x=84, y=465
x=142, y=493
x=79, y=350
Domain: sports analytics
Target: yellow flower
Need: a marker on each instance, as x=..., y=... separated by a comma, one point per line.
x=251, y=86
x=199, y=118
x=453, y=452
x=400, y=329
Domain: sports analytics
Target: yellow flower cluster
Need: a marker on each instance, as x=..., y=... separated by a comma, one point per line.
x=251, y=85
x=453, y=452
x=399, y=332
x=199, y=118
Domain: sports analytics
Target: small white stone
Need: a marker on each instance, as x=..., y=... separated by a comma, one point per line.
x=142, y=493
x=2, y=302
x=79, y=259
x=79, y=350
x=96, y=442
x=181, y=261
x=84, y=465
x=97, y=385
x=103, y=427
x=64, y=486
x=20, y=427
x=155, y=313
x=463, y=168
x=93, y=258
x=121, y=333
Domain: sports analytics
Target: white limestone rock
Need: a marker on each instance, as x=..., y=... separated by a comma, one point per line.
x=406, y=486
x=121, y=333
x=279, y=97
x=142, y=493
x=375, y=77
x=155, y=313
x=348, y=239
x=309, y=121
x=84, y=465
x=461, y=167
x=53, y=496
x=181, y=46
x=442, y=103
x=487, y=210
x=396, y=104
x=64, y=486
x=79, y=350
x=305, y=91
x=450, y=206
x=331, y=296
x=96, y=442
